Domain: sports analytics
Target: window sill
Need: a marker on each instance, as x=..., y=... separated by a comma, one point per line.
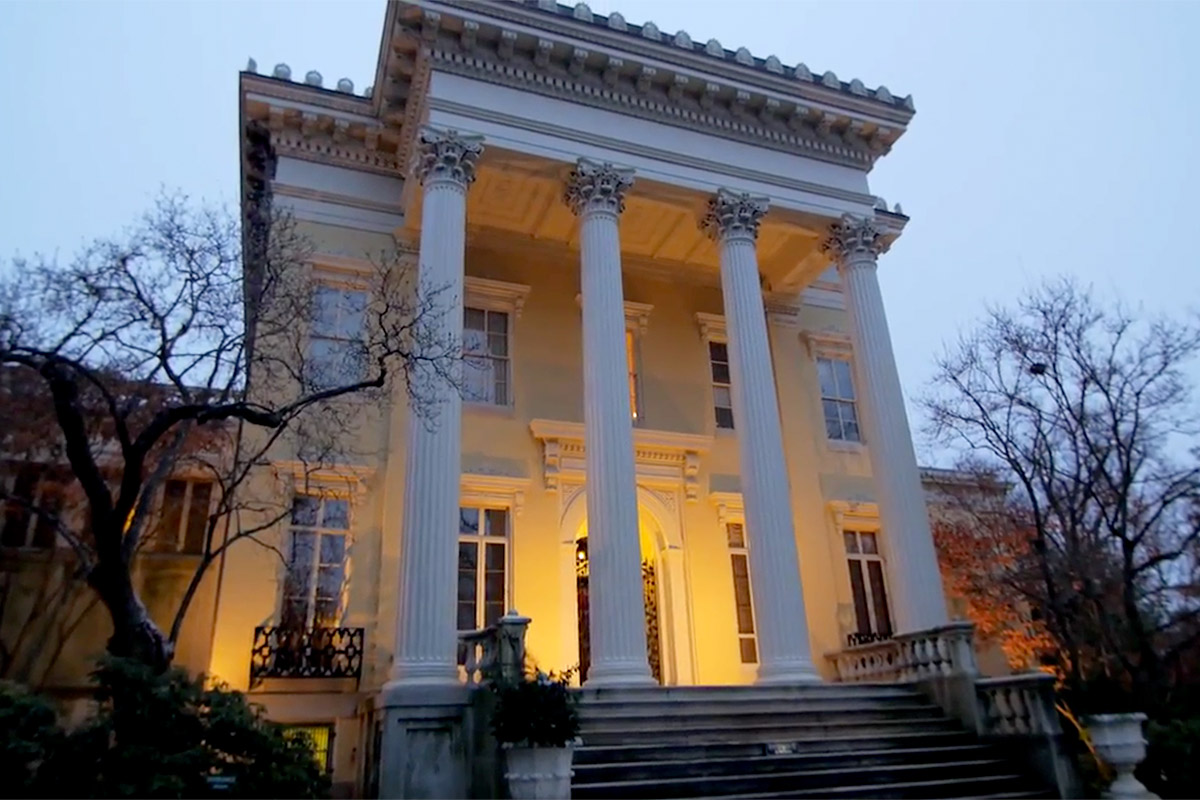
x=842, y=446
x=726, y=432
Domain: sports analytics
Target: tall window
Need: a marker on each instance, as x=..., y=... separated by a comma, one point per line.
x=872, y=617
x=336, y=351
x=739, y=557
x=316, y=576
x=32, y=487
x=718, y=357
x=486, y=353
x=631, y=360
x=837, y=399
x=482, y=566
x=183, y=519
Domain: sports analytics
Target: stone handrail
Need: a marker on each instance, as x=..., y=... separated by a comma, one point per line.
x=1017, y=705
x=496, y=652
x=910, y=657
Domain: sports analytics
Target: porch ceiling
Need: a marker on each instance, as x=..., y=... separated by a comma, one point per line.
x=522, y=197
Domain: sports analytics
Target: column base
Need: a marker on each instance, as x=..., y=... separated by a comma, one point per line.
x=422, y=674
x=423, y=750
x=615, y=673
x=783, y=673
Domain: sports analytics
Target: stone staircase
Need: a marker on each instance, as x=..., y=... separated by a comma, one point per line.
x=824, y=740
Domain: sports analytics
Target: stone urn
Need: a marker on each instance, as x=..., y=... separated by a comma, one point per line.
x=538, y=773
x=1119, y=741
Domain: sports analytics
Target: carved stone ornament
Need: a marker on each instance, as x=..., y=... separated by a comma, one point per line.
x=595, y=186
x=853, y=236
x=732, y=214
x=447, y=155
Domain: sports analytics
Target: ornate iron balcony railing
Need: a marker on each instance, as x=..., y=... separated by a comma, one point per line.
x=307, y=653
x=869, y=637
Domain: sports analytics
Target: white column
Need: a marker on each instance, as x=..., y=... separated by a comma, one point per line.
x=916, y=583
x=425, y=628
x=780, y=622
x=595, y=193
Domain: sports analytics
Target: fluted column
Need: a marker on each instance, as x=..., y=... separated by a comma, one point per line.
x=916, y=583
x=425, y=628
x=780, y=621
x=595, y=192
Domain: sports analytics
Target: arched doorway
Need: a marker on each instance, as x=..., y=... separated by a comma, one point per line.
x=650, y=608
x=664, y=586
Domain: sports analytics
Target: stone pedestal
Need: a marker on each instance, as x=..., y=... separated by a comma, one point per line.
x=780, y=623
x=916, y=582
x=595, y=193
x=425, y=752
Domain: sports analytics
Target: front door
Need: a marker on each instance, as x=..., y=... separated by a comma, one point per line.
x=649, y=604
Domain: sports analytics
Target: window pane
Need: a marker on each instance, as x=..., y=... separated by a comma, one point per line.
x=844, y=383
x=717, y=352
x=496, y=520
x=833, y=429
x=474, y=319
x=325, y=612
x=167, y=535
x=295, y=611
x=475, y=341
x=883, y=620
x=497, y=322
x=333, y=548
x=326, y=300
x=498, y=344
x=492, y=612
x=722, y=397
x=501, y=392
x=850, y=432
x=736, y=534
x=830, y=409
x=720, y=372
x=197, y=517
x=826, y=378
x=749, y=652
x=352, y=313
x=494, y=562
x=468, y=521
x=850, y=539
x=869, y=545
x=859, y=591
x=466, y=615
x=337, y=514
x=303, y=545
x=304, y=510
x=493, y=587
x=329, y=580
x=724, y=417
x=468, y=556
x=477, y=377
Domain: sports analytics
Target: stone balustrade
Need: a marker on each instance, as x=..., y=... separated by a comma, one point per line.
x=910, y=657
x=1017, y=705
x=496, y=652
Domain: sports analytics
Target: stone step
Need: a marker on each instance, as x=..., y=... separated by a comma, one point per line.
x=795, y=782
x=816, y=691
x=981, y=787
x=708, y=714
x=751, y=749
x=621, y=732
x=846, y=760
x=651, y=706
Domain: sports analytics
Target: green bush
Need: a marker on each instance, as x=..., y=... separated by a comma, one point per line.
x=1172, y=765
x=162, y=735
x=538, y=712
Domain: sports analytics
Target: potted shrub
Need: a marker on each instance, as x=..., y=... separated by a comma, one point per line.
x=536, y=723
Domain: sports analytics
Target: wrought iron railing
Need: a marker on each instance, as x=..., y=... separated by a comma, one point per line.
x=867, y=637
x=307, y=653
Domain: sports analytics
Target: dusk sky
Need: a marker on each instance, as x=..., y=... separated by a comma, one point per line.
x=1050, y=137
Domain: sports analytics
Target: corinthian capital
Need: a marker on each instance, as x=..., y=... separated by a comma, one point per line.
x=853, y=236
x=593, y=186
x=732, y=214
x=447, y=155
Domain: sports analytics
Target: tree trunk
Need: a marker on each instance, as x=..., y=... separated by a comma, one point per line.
x=134, y=635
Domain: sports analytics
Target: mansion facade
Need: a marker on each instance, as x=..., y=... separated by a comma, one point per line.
x=680, y=447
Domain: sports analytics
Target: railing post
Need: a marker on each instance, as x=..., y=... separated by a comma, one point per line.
x=510, y=631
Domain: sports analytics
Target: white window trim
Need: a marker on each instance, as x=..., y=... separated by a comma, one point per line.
x=488, y=294
x=833, y=344
x=324, y=273
x=712, y=329
x=348, y=558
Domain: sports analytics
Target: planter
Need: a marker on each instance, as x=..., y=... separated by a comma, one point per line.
x=538, y=773
x=1119, y=741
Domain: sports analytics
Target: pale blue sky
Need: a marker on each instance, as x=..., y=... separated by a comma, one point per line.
x=1052, y=137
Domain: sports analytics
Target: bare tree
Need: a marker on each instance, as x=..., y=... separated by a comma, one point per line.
x=1087, y=411
x=201, y=343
